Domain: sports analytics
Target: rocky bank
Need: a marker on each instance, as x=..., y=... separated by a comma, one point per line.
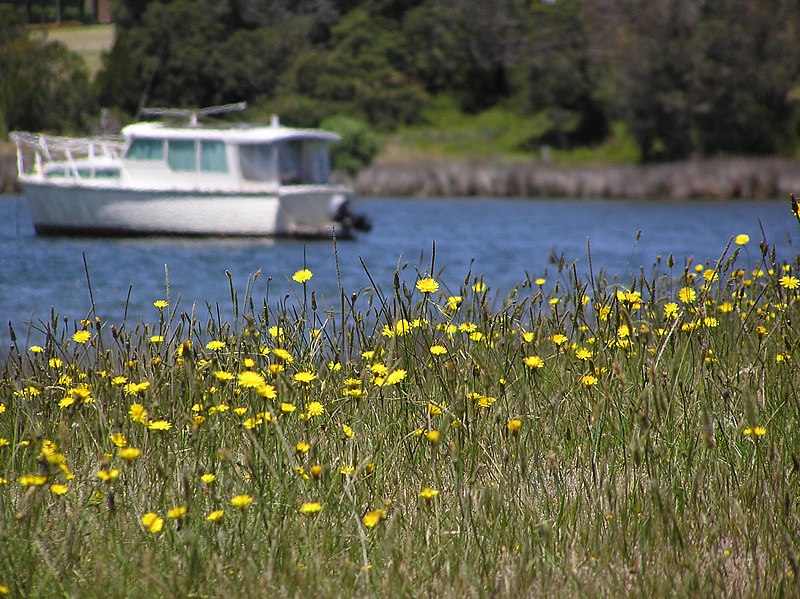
x=728, y=178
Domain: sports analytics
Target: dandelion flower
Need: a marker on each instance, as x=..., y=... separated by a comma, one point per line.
x=371, y=519
x=588, y=380
x=514, y=425
x=687, y=295
x=267, y=391
x=315, y=408
x=138, y=413
x=742, y=239
x=304, y=377
x=161, y=304
x=159, y=425
x=302, y=447
x=479, y=287
x=789, y=282
x=58, y=489
x=348, y=431
x=250, y=379
x=81, y=336
x=177, y=512
x=432, y=436
x=559, y=339
x=36, y=349
x=208, y=478
x=108, y=475
x=241, y=501
x=533, y=362
x=32, y=480
x=129, y=453
x=427, y=493
x=215, y=516
x=427, y=285
x=310, y=508
x=287, y=408
x=215, y=345
x=303, y=276
x=157, y=339
x=394, y=377
x=153, y=522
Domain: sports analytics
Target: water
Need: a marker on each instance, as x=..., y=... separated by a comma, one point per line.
x=502, y=239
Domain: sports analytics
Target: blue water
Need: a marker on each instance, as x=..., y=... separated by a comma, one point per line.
x=498, y=238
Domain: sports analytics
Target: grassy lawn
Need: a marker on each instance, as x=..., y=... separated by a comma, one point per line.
x=90, y=41
x=575, y=438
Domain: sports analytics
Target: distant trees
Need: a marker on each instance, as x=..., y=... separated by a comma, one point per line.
x=43, y=85
x=683, y=77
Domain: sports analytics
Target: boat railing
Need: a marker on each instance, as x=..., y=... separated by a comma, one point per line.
x=43, y=149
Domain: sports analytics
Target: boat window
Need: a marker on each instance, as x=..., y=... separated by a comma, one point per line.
x=255, y=160
x=181, y=155
x=84, y=173
x=212, y=157
x=146, y=149
x=106, y=173
x=303, y=162
x=56, y=172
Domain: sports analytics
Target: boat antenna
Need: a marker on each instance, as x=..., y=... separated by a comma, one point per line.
x=193, y=113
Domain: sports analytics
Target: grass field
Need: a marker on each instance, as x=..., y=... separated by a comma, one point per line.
x=575, y=438
x=89, y=41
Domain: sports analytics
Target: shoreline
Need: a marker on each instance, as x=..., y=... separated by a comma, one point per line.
x=717, y=178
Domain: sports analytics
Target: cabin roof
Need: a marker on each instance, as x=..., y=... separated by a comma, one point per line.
x=246, y=134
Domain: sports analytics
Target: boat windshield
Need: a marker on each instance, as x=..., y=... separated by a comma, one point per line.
x=303, y=162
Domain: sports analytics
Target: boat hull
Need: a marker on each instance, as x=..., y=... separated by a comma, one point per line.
x=76, y=210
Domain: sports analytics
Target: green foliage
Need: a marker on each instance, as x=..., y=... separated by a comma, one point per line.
x=359, y=143
x=44, y=86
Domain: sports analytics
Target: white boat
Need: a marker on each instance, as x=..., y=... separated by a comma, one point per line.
x=161, y=178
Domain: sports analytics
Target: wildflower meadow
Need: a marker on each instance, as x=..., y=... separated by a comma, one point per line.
x=580, y=436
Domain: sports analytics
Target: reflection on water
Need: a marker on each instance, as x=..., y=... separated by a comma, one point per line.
x=502, y=240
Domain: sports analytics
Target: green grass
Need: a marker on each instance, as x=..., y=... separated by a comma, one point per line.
x=654, y=452
x=497, y=134
x=89, y=41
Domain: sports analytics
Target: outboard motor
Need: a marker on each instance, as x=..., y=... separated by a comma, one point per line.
x=343, y=213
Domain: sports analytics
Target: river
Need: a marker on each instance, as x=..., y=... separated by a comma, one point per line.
x=500, y=239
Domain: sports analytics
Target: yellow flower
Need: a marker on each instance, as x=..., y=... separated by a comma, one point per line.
x=348, y=431
x=81, y=336
x=36, y=349
x=533, y=362
x=486, y=401
x=157, y=339
x=32, y=480
x=287, y=408
x=303, y=276
x=159, y=425
x=371, y=519
x=129, y=453
x=427, y=285
x=427, y=493
x=453, y=302
x=438, y=350
x=177, y=512
x=588, y=380
x=393, y=378
x=789, y=282
x=251, y=379
x=479, y=287
x=267, y=392
x=514, y=425
x=432, y=436
x=215, y=345
x=160, y=304
x=304, y=377
x=670, y=310
x=742, y=239
x=153, y=522
x=55, y=362
x=136, y=388
x=215, y=516
x=310, y=508
x=58, y=489
x=241, y=501
x=315, y=408
x=107, y=475
x=118, y=439
x=687, y=295
x=558, y=339
x=221, y=375
x=302, y=447
x=208, y=478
